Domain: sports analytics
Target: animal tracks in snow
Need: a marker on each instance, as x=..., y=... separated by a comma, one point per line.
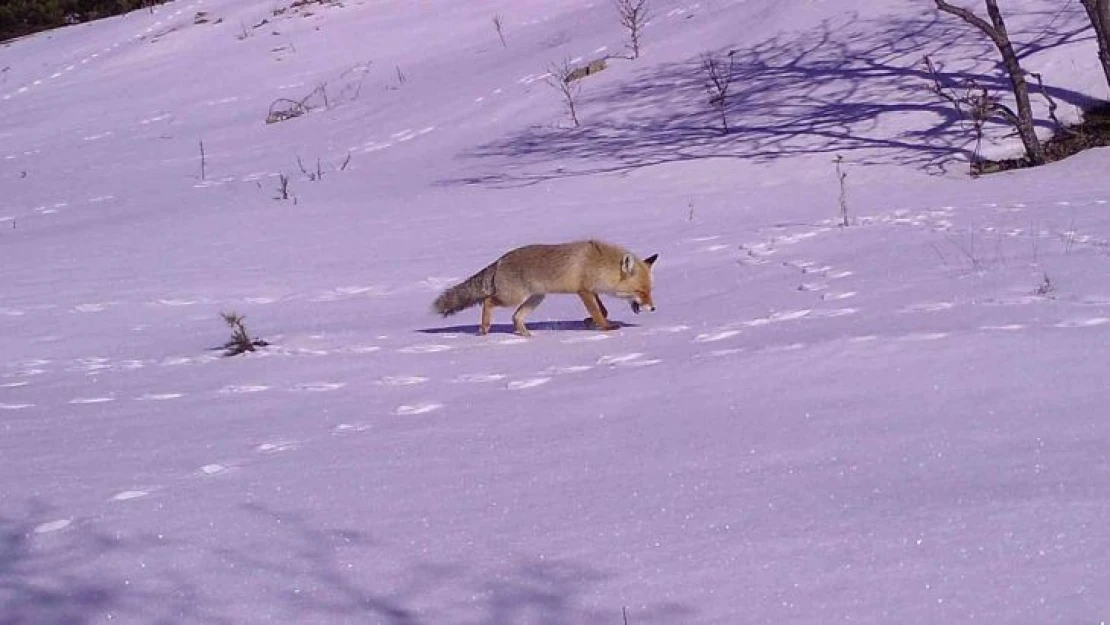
x=1089, y=322
x=565, y=369
x=516, y=385
x=128, y=495
x=213, y=469
x=274, y=447
x=301, y=387
x=1012, y=327
x=928, y=307
x=318, y=387
x=343, y=428
x=631, y=360
x=923, y=336
x=92, y=308
x=587, y=338
x=346, y=292
x=778, y=317
x=616, y=359
x=159, y=396
x=360, y=349
x=402, y=380
x=835, y=312
x=52, y=526
x=239, y=389
x=425, y=348
x=713, y=337
x=92, y=400
x=668, y=329
x=177, y=302
x=789, y=315
x=417, y=409
x=479, y=378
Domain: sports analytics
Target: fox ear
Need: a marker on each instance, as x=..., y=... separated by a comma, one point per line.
x=628, y=265
x=650, y=260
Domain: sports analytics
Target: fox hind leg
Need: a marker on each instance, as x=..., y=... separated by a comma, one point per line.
x=521, y=313
x=487, y=316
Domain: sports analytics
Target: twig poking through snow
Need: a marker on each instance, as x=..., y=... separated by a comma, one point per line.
x=842, y=176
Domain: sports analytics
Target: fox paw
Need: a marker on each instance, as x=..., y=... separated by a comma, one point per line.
x=604, y=328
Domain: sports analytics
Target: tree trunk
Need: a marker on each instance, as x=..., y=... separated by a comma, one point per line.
x=996, y=30
x=1099, y=13
x=1021, y=87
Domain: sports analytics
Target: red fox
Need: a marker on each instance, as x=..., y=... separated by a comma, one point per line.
x=525, y=275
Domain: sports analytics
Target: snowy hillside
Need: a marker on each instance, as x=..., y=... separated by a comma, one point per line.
x=903, y=421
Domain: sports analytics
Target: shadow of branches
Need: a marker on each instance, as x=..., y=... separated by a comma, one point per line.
x=301, y=556
x=837, y=88
x=284, y=569
x=309, y=571
x=63, y=577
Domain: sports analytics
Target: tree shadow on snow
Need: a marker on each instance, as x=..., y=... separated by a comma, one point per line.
x=302, y=569
x=284, y=568
x=312, y=574
x=835, y=89
x=63, y=574
x=507, y=328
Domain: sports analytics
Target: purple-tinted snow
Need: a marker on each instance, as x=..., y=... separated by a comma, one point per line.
x=904, y=421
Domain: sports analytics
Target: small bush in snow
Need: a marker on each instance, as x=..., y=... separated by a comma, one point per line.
x=283, y=189
x=283, y=109
x=240, y=341
x=1045, y=288
x=314, y=176
x=842, y=177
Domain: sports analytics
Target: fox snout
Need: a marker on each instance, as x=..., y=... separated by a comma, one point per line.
x=642, y=303
x=637, y=278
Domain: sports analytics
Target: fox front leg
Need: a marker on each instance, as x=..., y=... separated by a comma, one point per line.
x=589, y=321
x=593, y=306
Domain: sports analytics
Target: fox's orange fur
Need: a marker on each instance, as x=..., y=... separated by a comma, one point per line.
x=525, y=275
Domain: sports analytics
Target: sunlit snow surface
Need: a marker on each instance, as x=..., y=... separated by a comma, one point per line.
x=903, y=421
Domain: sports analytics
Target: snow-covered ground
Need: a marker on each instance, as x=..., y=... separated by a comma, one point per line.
x=904, y=421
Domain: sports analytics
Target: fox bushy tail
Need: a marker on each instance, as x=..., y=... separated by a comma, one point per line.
x=467, y=293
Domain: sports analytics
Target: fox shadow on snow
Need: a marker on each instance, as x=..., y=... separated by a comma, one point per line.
x=507, y=328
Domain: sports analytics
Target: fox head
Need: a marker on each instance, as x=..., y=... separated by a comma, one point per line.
x=635, y=283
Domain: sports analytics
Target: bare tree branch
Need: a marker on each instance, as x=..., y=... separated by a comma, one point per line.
x=1098, y=11
x=1022, y=119
x=499, y=26
x=561, y=78
x=718, y=82
x=633, y=15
